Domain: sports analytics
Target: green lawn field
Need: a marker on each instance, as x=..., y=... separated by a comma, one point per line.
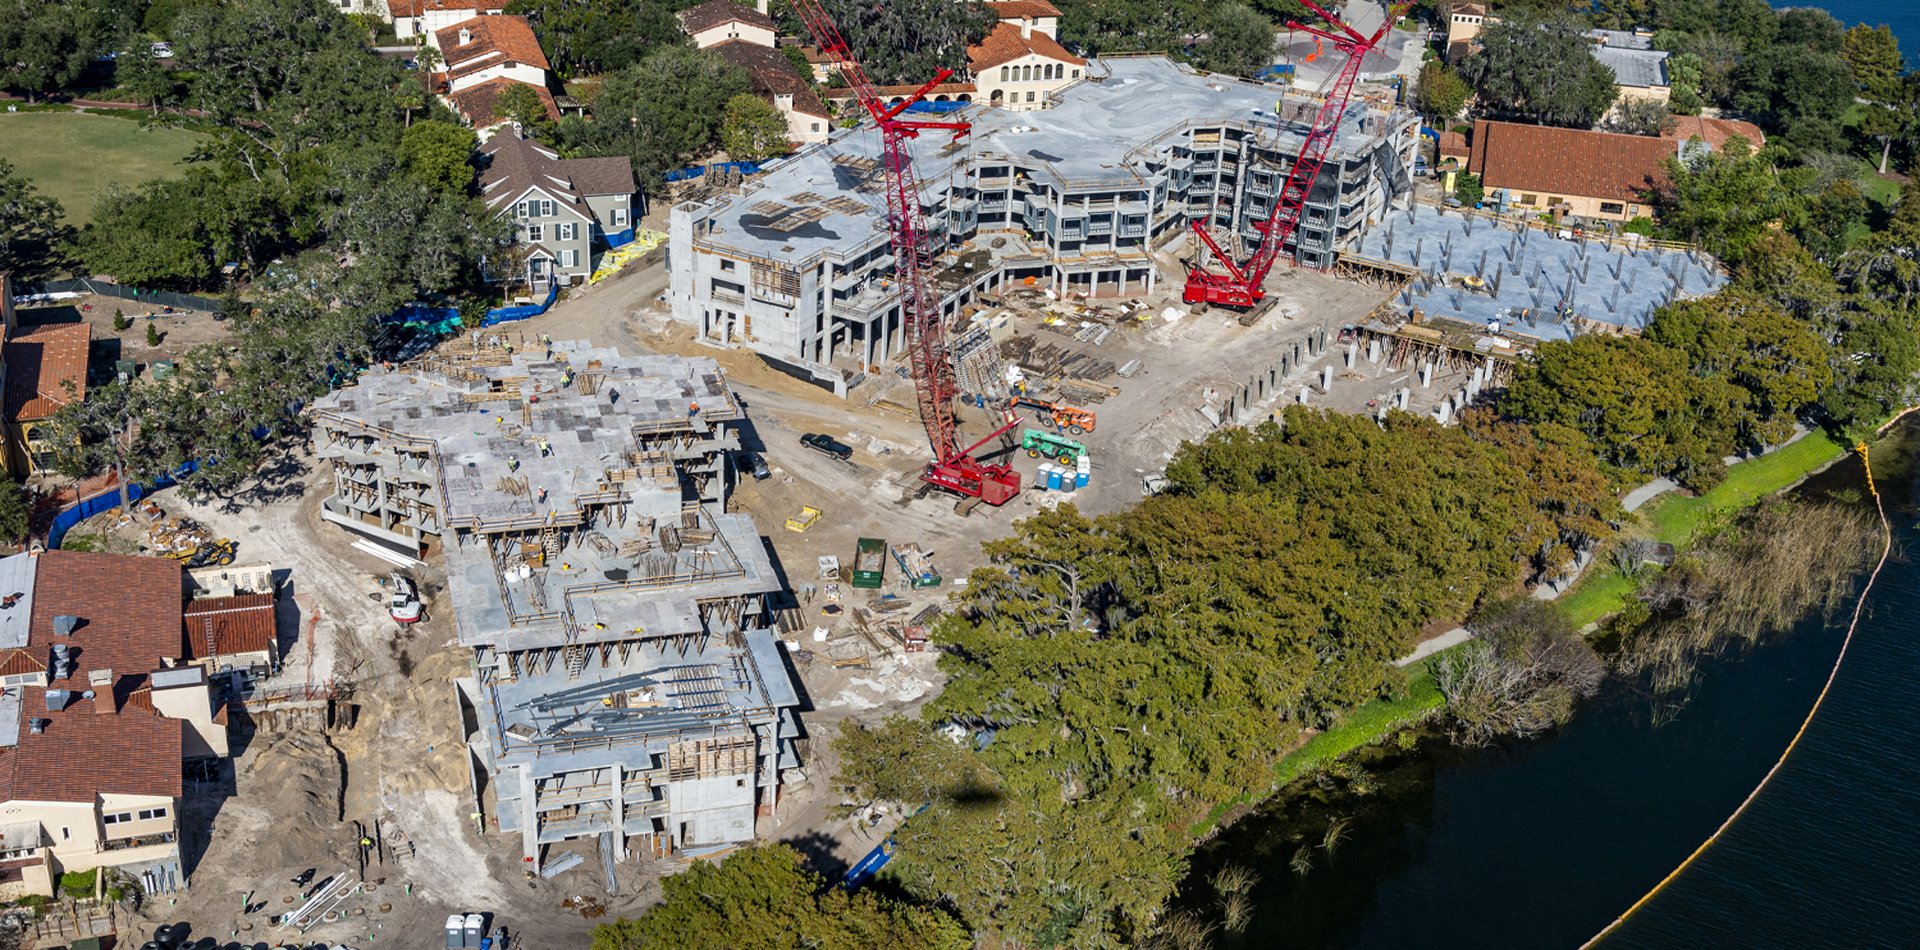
x=72, y=156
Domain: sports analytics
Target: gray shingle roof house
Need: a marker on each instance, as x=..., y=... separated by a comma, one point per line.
x=561, y=207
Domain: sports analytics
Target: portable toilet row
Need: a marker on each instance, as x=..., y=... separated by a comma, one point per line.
x=1065, y=478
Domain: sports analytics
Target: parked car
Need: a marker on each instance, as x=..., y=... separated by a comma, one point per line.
x=827, y=445
x=753, y=464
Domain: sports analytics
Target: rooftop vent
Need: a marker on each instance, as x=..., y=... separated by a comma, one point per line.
x=99, y=677
x=38, y=726
x=57, y=699
x=65, y=624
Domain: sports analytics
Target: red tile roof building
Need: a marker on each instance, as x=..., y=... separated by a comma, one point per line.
x=238, y=628
x=1603, y=175
x=46, y=369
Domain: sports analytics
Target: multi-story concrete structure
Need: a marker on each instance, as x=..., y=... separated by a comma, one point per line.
x=626, y=685
x=799, y=267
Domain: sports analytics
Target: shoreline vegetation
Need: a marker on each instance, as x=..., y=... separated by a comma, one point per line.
x=1600, y=595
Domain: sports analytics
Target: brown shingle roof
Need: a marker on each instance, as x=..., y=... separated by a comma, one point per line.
x=719, y=13
x=491, y=41
x=511, y=163
x=1005, y=44
x=228, y=625
x=83, y=755
x=475, y=103
x=400, y=8
x=40, y=361
x=771, y=74
x=1573, y=162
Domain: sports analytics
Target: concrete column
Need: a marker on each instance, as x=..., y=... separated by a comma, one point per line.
x=1326, y=377
x=1444, y=414
x=1353, y=351
x=620, y=810
x=1373, y=350
x=1403, y=398
x=1304, y=391
x=1426, y=375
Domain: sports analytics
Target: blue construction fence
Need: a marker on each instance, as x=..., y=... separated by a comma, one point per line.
x=106, y=501
x=447, y=319
x=619, y=238
x=695, y=171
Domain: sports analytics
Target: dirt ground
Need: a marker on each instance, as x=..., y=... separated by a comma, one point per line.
x=393, y=753
x=180, y=330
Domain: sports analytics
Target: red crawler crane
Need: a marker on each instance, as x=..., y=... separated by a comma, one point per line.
x=953, y=468
x=1242, y=286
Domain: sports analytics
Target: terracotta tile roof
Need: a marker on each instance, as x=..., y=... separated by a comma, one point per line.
x=227, y=625
x=115, y=742
x=40, y=361
x=1543, y=160
x=771, y=74
x=714, y=13
x=491, y=41
x=1005, y=44
x=475, y=103
x=1015, y=9
x=400, y=8
x=1715, y=132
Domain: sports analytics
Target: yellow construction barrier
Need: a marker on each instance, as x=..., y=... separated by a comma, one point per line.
x=612, y=261
x=807, y=517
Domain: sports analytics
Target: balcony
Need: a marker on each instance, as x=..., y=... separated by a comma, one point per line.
x=137, y=841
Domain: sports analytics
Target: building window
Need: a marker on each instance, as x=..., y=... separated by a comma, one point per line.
x=148, y=814
x=536, y=233
x=1612, y=207
x=563, y=232
x=726, y=265
x=1029, y=95
x=546, y=208
x=619, y=216
x=569, y=258
x=1026, y=73
x=1003, y=72
x=1076, y=74
x=520, y=210
x=117, y=818
x=1529, y=199
x=816, y=126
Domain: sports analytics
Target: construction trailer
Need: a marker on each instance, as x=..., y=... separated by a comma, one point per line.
x=625, y=683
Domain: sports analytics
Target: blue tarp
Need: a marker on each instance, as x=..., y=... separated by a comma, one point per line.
x=510, y=314
x=937, y=107
x=447, y=319
x=107, y=501
x=695, y=171
x=1275, y=71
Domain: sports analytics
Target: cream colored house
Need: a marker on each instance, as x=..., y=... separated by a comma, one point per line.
x=1020, y=63
x=723, y=21
x=420, y=19
x=98, y=714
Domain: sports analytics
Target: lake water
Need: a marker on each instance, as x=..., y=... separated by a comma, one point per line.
x=1541, y=844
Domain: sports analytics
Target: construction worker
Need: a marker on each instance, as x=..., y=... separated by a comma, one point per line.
x=693, y=409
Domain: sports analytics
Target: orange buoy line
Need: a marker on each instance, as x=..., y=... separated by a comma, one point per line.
x=1859, y=607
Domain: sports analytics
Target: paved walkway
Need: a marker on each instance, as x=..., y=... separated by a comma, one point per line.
x=1451, y=638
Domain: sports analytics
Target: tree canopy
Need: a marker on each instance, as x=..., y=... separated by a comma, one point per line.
x=903, y=42
x=1137, y=668
x=589, y=37
x=752, y=129
x=31, y=228
x=763, y=898
x=661, y=112
x=1539, y=69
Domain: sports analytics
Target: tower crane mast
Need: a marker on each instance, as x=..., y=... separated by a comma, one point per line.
x=1242, y=285
x=953, y=468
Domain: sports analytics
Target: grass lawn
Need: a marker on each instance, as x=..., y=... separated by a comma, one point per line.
x=1364, y=726
x=1675, y=519
x=72, y=156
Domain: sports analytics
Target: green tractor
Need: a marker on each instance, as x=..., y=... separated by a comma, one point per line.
x=1045, y=444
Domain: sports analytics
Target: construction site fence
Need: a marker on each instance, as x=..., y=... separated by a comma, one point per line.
x=446, y=320
x=108, y=500
x=65, y=289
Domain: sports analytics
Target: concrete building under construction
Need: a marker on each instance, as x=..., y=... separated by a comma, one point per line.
x=799, y=266
x=625, y=686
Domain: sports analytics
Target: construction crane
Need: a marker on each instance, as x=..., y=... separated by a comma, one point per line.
x=953, y=468
x=1242, y=285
